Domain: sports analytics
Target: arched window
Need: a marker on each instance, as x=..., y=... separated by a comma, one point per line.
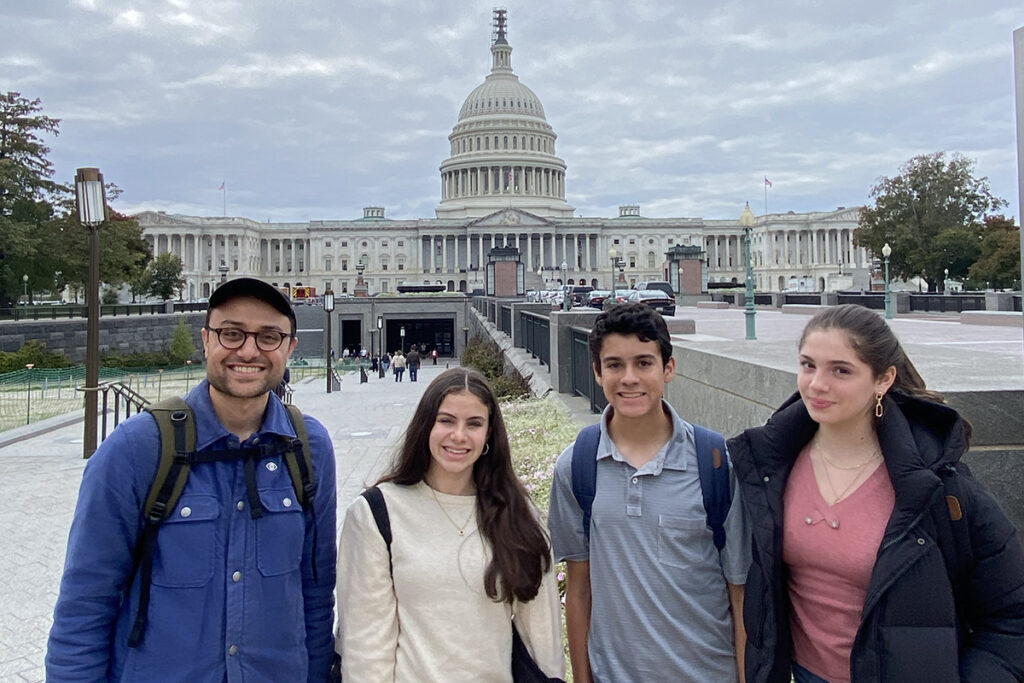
x=506, y=142
x=487, y=143
x=515, y=143
x=478, y=143
x=650, y=259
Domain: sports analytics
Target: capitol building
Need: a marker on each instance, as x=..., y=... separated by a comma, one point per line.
x=504, y=185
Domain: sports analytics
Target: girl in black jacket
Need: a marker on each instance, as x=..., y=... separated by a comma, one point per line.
x=876, y=556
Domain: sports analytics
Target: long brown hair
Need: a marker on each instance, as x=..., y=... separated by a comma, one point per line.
x=876, y=345
x=520, y=552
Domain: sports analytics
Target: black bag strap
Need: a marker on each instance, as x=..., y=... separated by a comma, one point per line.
x=379, y=508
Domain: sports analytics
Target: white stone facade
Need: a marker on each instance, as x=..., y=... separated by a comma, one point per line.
x=504, y=186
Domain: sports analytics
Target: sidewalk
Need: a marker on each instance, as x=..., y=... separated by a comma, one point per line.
x=39, y=479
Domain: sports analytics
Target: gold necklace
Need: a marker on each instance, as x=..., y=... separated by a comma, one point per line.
x=849, y=487
x=462, y=529
x=824, y=456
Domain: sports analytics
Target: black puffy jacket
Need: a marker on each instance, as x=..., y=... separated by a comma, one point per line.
x=912, y=628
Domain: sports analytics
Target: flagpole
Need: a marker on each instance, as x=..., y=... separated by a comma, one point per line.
x=224, y=197
x=766, y=197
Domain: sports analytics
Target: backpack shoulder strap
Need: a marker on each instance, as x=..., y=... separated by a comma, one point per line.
x=584, y=471
x=379, y=508
x=714, y=480
x=176, y=423
x=299, y=459
x=175, y=420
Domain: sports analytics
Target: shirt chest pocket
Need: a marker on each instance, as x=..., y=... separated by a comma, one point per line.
x=683, y=542
x=280, y=533
x=186, y=543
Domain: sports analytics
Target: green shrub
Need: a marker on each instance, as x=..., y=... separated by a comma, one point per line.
x=138, y=359
x=182, y=345
x=35, y=352
x=510, y=385
x=485, y=356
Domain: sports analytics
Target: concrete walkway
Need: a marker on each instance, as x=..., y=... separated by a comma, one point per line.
x=40, y=475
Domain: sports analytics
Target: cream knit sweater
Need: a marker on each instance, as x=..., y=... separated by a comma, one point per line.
x=434, y=622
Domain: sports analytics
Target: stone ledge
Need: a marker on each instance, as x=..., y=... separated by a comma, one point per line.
x=681, y=325
x=1008, y=318
x=802, y=309
x=712, y=304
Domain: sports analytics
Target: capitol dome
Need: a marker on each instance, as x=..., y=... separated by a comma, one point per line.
x=502, y=147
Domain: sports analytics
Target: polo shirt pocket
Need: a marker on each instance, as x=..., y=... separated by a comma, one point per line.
x=186, y=543
x=280, y=533
x=681, y=541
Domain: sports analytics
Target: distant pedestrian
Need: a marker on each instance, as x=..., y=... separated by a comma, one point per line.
x=344, y=353
x=374, y=363
x=433, y=354
x=412, y=361
x=398, y=363
x=385, y=361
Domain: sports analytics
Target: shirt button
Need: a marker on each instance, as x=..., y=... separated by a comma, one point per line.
x=767, y=479
x=233, y=650
x=236, y=577
x=809, y=520
x=240, y=505
x=920, y=541
x=186, y=511
x=287, y=502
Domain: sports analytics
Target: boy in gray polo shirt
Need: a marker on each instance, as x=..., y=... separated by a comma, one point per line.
x=648, y=597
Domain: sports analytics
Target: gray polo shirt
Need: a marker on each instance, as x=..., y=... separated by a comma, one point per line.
x=660, y=607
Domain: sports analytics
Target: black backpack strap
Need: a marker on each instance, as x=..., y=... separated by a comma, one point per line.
x=584, y=471
x=299, y=459
x=714, y=480
x=379, y=508
x=177, y=428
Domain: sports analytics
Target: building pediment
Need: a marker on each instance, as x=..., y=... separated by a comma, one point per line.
x=509, y=219
x=158, y=218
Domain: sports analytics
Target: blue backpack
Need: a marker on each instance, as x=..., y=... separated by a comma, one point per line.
x=711, y=466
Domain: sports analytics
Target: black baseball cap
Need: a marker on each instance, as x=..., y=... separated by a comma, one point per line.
x=256, y=289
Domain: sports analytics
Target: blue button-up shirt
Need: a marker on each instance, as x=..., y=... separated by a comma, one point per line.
x=233, y=598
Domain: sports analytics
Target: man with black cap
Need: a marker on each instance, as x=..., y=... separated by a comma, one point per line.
x=241, y=576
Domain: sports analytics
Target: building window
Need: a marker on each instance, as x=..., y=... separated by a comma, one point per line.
x=344, y=264
x=384, y=244
x=632, y=261
x=384, y=286
x=650, y=259
x=401, y=266
x=327, y=244
x=671, y=240
x=615, y=241
x=401, y=243
x=327, y=264
x=632, y=241
x=364, y=243
x=344, y=243
x=344, y=286
x=383, y=264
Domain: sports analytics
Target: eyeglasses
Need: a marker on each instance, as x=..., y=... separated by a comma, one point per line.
x=232, y=338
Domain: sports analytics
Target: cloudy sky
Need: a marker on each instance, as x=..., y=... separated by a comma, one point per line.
x=313, y=109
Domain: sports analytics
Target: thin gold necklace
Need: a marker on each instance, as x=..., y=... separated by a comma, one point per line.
x=853, y=482
x=462, y=529
x=824, y=456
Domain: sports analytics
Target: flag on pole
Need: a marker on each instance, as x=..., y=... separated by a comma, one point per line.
x=221, y=185
x=767, y=183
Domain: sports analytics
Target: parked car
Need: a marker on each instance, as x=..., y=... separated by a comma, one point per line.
x=595, y=298
x=622, y=295
x=657, y=284
x=656, y=299
x=578, y=292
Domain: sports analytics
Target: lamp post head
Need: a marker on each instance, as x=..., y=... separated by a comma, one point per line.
x=90, y=197
x=360, y=267
x=747, y=218
x=565, y=266
x=380, y=322
x=886, y=250
x=24, y=278
x=613, y=253
x=328, y=300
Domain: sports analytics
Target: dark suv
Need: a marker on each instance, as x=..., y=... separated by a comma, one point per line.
x=656, y=284
x=579, y=293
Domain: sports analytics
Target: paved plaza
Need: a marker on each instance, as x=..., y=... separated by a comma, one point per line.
x=39, y=475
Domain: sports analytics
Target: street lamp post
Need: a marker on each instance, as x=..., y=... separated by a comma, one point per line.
x=380, y=356
x=92, y=208
x=945, y=281
x=747, y=220
x=328, y=309
x=886, y=252
x=613, y=257
x=24, y=282
x=401, y=333
x=223, y=271
x=566, y=289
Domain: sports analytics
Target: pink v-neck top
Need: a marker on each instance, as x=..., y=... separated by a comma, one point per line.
x=830, y=551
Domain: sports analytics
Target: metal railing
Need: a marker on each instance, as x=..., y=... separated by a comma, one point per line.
x=947, y=303
x=583, y=382
x=45, y=311
x=118, y=395
x=536, y=333
x=506, y=320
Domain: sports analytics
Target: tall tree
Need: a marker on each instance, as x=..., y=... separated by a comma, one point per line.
x=27, y=191
x=166, y=276
x=999, y=263
x=931, y=214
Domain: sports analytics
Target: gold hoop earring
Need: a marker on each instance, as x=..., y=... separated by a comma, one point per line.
x=486, y=450
x=878, y=404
